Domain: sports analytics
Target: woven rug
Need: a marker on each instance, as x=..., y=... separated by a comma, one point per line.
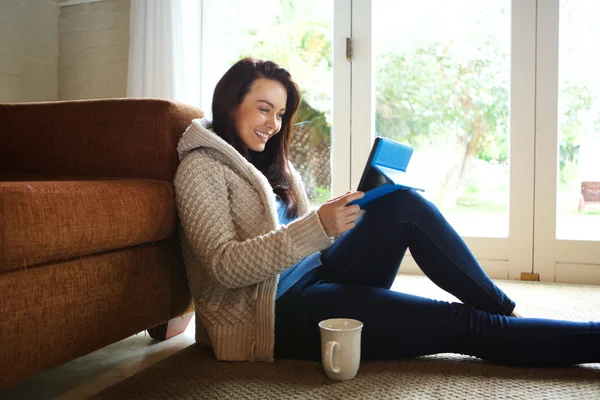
x=193, y=373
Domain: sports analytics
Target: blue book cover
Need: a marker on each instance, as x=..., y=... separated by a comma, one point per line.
x=385, y=170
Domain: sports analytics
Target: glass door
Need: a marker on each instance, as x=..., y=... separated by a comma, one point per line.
x=449, y=79
x=500, y=100
x=567, y=204
x=300, y=36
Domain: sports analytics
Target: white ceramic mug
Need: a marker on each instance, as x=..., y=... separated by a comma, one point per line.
x=340, y=347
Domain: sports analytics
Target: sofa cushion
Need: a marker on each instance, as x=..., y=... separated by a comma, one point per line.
x=121, y=138
x=66, y=309
x=44, y=221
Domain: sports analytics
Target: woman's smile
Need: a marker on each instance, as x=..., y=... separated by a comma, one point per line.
x=262, y=135
x=260, y=114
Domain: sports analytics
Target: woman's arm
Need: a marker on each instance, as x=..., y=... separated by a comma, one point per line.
x=204, y=210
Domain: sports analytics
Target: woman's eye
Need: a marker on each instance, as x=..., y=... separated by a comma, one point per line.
x=264, y=110
x=280, y=116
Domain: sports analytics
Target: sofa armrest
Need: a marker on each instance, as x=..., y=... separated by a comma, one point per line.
x=133, y=137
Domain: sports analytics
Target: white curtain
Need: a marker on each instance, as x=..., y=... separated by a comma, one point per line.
x=164, y=50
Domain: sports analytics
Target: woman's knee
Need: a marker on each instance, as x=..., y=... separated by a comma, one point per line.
x=401, y=204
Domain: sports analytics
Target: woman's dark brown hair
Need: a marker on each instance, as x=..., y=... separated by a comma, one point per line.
x=229, y=94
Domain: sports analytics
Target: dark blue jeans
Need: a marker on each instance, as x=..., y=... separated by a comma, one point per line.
x=360, y=267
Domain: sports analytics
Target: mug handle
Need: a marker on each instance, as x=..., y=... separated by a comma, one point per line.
x=330, y=348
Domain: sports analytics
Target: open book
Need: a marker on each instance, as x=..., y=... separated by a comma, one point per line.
x=385, y=170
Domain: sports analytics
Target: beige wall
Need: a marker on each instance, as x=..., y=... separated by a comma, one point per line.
x=28, y=50
x=94, y=50
x=50, y=53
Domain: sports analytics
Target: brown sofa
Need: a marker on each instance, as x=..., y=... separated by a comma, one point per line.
x=89, y=252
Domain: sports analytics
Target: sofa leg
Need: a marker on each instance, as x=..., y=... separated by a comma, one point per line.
x=171, y=328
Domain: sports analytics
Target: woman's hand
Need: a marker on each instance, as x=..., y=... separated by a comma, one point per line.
x=337, y=216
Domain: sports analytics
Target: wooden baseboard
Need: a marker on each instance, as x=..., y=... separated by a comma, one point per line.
x=528, y=276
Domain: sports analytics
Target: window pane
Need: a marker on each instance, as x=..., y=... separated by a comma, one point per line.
x=298, y=35
x=578, y=197
x=442, y=71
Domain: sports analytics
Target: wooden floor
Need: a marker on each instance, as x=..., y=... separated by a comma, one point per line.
x=88, y=375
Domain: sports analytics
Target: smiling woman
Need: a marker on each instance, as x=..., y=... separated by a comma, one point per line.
x=264, y=269
x=263, y=99
x=297, y=34
x=259, y=115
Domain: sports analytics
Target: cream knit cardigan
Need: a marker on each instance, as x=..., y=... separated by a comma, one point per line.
x=233, y=245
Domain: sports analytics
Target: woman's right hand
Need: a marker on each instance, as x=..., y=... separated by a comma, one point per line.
x=337, y=216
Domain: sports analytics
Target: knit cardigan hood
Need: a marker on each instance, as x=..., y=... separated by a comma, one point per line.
x=233, y=246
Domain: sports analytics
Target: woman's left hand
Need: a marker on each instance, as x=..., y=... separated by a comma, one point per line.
x=337, y=216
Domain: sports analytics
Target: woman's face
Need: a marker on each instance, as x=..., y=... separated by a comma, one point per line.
x=259, y=115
